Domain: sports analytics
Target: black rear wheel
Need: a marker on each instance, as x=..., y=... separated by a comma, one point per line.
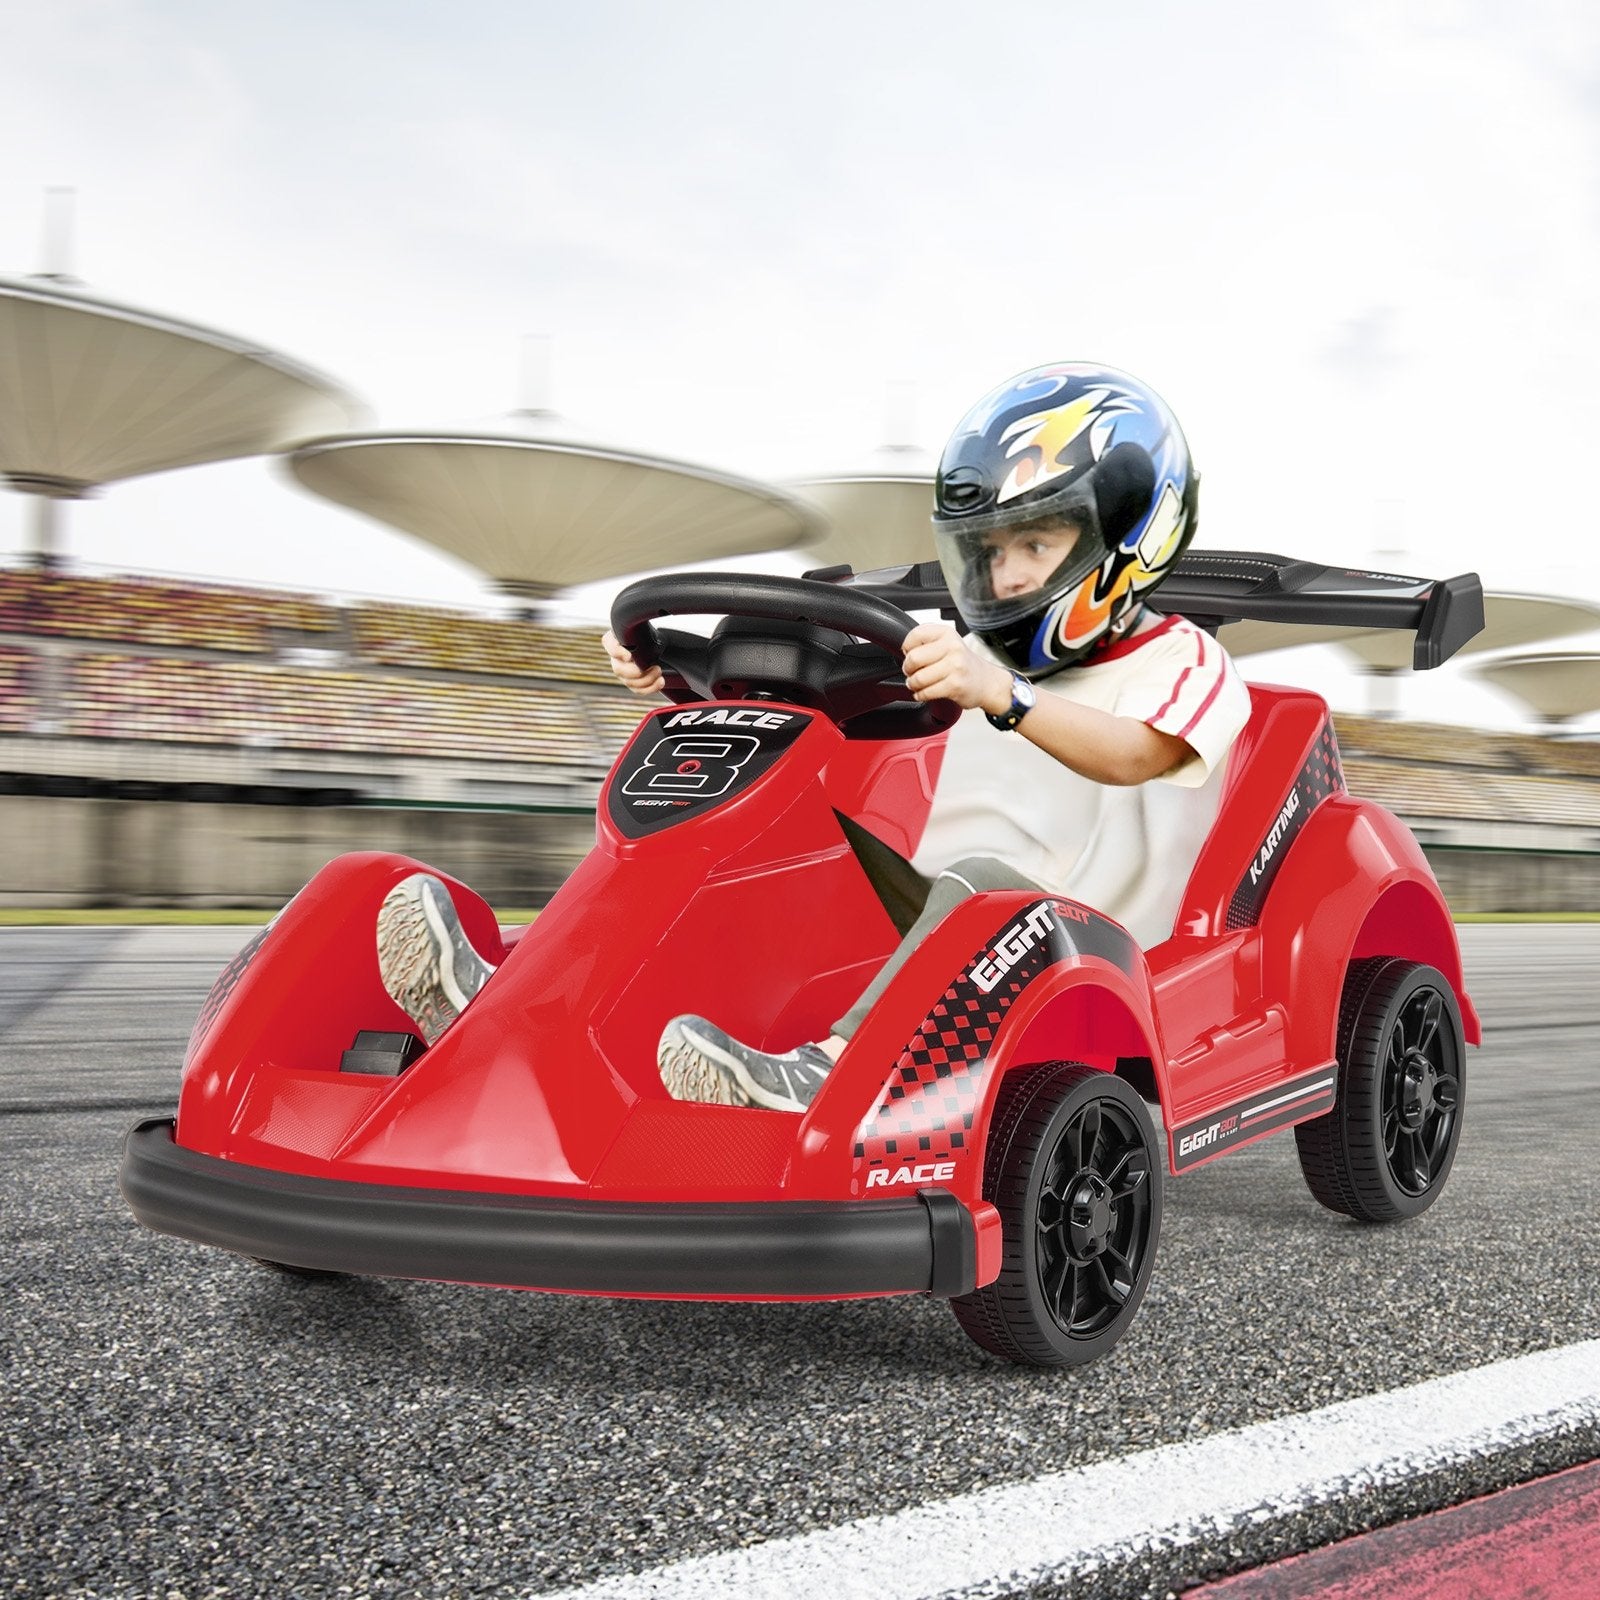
x=1385, y=1150
x=1075, y=1173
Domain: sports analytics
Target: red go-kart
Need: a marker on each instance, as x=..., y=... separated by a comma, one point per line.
x=990, y=1134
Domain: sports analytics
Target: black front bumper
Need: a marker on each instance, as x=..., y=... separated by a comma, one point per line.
x=923, y=1242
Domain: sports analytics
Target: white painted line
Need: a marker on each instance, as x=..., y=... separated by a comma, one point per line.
x=1299, y=1104
x=1299, y=1092
x=1074, y=1522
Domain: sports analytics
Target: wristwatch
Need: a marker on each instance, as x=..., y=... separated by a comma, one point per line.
x=1023, y=700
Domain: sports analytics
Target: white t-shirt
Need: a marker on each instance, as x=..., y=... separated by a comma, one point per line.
x=1126, y=850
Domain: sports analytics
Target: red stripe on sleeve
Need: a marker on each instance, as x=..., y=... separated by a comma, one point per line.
x=1177, y=688
x=1205, y=705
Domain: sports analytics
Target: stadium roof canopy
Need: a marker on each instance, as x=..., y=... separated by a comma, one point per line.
x=1509, y=620
x=92, y=392
x=878, y=514
x=537, y=509
x=1557, y=687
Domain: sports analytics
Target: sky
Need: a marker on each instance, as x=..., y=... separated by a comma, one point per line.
x=1355, y=246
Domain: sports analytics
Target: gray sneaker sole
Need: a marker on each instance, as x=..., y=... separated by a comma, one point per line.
x=696, y=1068
x=420, y=957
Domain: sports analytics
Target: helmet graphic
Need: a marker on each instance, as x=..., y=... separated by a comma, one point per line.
x=1063, y=498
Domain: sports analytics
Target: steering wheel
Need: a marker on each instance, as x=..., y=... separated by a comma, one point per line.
x=788, y=639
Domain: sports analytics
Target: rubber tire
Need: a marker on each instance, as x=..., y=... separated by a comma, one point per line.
x=1341, y=1155
x=1009, y=1317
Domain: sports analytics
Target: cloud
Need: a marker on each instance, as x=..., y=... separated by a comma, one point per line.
x=1340, y=243
x=1364, y=348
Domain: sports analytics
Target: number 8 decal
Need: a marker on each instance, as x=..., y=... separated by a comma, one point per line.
x=696, y=765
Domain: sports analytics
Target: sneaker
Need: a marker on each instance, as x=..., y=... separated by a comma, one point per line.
x=699, y=1061
x=424, y=959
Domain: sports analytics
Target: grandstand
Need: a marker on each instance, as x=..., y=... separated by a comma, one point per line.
x=1461, y=785
x=121, y=687
x=168, y=699
x=55, y=604
x=438, y=641
x=19, y=705
x=194, y=683
x=1432, y=744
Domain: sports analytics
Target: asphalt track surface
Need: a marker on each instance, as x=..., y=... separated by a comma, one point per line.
x=178, y=1422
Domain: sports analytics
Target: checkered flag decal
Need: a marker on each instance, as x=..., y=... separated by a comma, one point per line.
x=926, y=1110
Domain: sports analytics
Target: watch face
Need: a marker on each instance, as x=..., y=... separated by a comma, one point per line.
x=1023, y=700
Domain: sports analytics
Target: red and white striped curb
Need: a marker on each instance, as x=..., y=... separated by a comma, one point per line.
x=1538, y=1541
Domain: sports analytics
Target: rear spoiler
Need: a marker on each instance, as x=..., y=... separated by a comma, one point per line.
x=1216, y=587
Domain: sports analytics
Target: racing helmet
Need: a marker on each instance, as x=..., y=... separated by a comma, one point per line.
x=1063, y=447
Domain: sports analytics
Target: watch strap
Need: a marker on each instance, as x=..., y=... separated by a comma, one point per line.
x=1023, y=699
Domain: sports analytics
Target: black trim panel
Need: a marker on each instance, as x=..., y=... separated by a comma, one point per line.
x=910, y=1244
x=1311, y=1094
x=684, y=761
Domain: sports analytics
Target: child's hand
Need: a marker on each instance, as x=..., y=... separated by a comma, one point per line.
x=642, y=680
x=938, y=666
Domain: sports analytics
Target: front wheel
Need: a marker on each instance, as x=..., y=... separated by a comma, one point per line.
x=1073, y=1168
x=1385, y=1149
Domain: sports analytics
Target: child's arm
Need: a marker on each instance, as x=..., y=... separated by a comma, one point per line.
x=1095, y=744
x=637, y=678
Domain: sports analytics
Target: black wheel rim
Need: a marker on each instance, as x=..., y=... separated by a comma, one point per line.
x=1093, y=1218
x=1421, y=1092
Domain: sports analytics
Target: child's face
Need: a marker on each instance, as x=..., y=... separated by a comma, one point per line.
x=1022, y=559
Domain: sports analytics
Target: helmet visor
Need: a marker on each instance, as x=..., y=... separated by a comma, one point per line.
x=1000, y=575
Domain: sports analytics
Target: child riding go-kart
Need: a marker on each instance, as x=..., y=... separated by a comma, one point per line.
x=985, y=1135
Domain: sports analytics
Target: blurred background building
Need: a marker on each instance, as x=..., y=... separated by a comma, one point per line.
x=166, y=742
x=180, y=741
